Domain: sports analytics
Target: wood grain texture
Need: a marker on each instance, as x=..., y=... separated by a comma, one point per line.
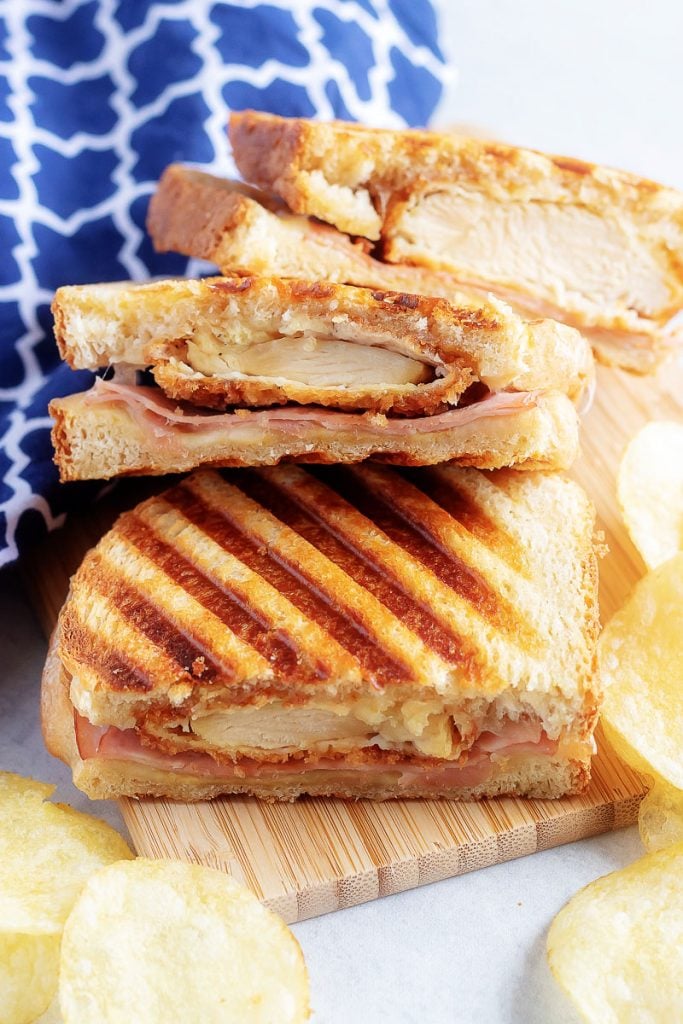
x=320, y=855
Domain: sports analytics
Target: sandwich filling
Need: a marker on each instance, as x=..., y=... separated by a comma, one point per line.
x=115, y=429
x=416, y=729
x=517, y=745
x=151, y=408
x=347, y=366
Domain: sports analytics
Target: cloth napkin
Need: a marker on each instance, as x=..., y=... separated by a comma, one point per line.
x=96, y=98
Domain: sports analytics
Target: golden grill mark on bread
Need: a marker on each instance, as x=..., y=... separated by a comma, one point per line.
x=383, y=641
x=264, y=615
x=263, y=555
x=85, y=648
x=430, y=564
x=281, y=624
x=351, y=540
x=428, y=534
x=242, y=604
x=438, y=485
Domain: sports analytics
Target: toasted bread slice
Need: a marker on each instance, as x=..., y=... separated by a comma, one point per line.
x=358, y=631
x=119, y=430
x=228, y=341
x=245, y=231
x=598, y=248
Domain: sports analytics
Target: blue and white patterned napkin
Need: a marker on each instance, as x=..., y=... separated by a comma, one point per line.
x=96, y=98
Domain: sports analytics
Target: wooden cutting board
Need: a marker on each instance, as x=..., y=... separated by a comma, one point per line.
x=319, y=855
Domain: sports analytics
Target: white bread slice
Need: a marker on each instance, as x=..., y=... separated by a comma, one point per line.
x=598, y=248
x=101, y=438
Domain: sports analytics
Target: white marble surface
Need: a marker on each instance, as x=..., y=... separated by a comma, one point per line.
x=597, y=80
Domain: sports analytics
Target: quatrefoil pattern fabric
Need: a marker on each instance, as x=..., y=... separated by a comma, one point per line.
x=96, y=98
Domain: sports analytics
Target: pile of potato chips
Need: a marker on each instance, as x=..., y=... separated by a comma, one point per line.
x=617, y=946
x=126, y=939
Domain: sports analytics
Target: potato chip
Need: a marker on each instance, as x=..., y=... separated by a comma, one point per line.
x=52, y=1014
x=660, y=818
x=29, y=966
x=46, y=853
x=650, y=491
x=13, y=786
x=640, y=654
x=617, y=947
x=160, y=941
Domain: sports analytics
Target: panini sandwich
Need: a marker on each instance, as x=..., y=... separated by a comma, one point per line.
x=251, y=370
x=350, y=631
x=597, y=248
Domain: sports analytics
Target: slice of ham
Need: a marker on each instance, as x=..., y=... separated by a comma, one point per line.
x=513, y=733
x=110, y=743
x=151, y=406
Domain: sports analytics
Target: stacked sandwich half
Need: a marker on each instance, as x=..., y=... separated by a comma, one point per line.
x=358, y=629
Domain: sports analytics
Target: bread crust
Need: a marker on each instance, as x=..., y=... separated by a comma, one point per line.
x=56, y=709
x=193, y=210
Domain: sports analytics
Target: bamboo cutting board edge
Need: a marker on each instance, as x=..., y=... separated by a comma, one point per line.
x=319, y=855
x=156, y=828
